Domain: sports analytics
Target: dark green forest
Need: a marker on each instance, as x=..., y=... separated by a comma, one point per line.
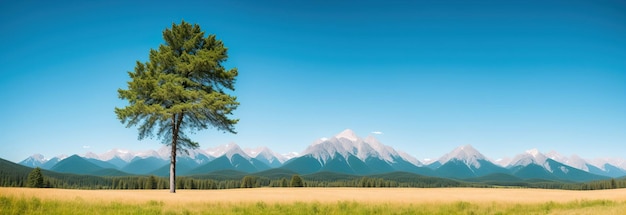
x=15, y=175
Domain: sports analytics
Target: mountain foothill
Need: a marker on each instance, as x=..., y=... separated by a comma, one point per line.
x=344, y=153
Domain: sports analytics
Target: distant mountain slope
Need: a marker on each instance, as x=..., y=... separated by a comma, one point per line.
x=603, y=168
x=305, y=164
x=350, y=154
x=344, y=153
x=12, y=174
x=144, y=166
x=533, y=171
x=534, y=165
x=237, y=162
x=102, y=164
x=267, y=156
x=36, y=160
x=465, y=162
x=609, y=170
x=183, y=166
x=233, y=158
x=52, y=162
x=78, y=165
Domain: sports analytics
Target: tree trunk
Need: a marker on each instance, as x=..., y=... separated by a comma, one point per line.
x=177, y=120
x=173, y=168
x=173, y=156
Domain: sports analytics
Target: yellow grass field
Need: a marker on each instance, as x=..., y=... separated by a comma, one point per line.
x=287, y=195
x=485, y=200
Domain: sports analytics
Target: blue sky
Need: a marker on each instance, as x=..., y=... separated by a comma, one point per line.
x=504, y=76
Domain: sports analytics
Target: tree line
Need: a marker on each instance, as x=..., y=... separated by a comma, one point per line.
x=37, y=178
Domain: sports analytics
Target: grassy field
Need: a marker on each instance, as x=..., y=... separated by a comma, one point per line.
x=313, y=201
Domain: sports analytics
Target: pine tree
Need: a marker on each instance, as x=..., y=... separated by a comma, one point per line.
x=151, y=183
x=248, y=182
x=35, y=178
x=296, y=181
x=613, y=184
x=180, y=89
x=284, y=182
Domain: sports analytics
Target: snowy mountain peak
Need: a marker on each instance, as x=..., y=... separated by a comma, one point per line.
x=39, y=157
x=601, y=162
x=290, y=155
x=148, y=153
x=254, y=152
x=91, y=155
x=265, y=153
x=503, y=162
x=532, y=156
x=556, y=156
x=34, y=160
x=573, y=161
x=347, y=134
x=61, y=157
x=534, y=152
x=233, y=149
x=219, y=150
x=346, y=144
x=119, y=153
x=576, y=162
x=410, y=158
x=467, y=154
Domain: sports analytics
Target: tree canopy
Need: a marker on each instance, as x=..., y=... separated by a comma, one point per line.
x=181, y=89
x=35, y=178
x=296, y=181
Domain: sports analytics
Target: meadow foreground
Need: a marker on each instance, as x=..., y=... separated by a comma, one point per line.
x=315, y=201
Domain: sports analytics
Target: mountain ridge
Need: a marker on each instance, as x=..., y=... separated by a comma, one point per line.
x=348, y=153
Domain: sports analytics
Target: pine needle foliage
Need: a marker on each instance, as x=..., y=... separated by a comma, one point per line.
x=35, y=178
x=180, y=90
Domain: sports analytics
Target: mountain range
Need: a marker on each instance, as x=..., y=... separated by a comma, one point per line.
x=344, y=153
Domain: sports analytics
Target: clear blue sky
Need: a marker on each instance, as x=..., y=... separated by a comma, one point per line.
x=504, y=76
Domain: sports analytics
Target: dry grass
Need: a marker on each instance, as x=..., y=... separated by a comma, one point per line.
x=313, y=201
x=290, y=195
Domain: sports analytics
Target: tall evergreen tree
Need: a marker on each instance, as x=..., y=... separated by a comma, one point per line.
x=248, y=182
x=151, y=183
x=35, y=178
x=296, y=181
x=180, y=89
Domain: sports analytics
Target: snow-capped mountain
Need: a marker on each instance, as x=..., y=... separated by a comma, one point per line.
x=466, y=154
x=573, y=161
x=532, y=156
x=348, y=153
x=533, y=164
x=266, y=156
x=124, y=155
x=34, y=161
x=128, y=156
x=219, y=150
x=598, y=168
x=91, y=155
x=347, y=143
x=347, y=134
x=617, y=162
x=38, y=160
x=465, y=162
x=503, y=162
x=344, y=153
x=410, y=158
x=290, y=155
x=232, y=158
